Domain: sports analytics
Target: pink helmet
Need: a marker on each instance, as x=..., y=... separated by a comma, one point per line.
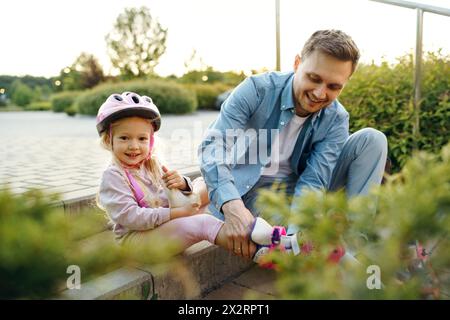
x=127, y=104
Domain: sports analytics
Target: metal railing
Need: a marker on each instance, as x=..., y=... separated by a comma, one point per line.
x=421, y=8
x=277, y=32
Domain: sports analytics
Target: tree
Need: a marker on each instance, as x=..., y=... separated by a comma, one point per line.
x=90, y=69
x=22, y=94
x=9, y=83
x=136, y=43
x=194, y=63
x=197, y=71
x=209, y=75
x=84, y=73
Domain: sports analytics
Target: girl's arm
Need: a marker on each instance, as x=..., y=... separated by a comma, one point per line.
x=118, y=200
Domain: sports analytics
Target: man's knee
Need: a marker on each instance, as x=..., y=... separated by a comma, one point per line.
x=372, y=138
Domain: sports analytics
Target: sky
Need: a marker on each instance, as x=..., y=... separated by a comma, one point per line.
x=42, y=37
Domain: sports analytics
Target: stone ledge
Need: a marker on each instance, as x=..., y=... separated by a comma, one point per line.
x=209, y=265
x=124, y=282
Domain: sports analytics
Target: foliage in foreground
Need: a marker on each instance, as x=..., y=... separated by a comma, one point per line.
x=413, y=205
x=38, y=243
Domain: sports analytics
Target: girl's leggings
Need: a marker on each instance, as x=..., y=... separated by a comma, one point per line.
x=186, y=231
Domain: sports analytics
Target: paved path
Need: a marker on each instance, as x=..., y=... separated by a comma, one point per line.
x=254, y=284
x=59, y=153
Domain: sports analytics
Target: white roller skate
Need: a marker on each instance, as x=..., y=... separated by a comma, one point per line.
x=268, y=238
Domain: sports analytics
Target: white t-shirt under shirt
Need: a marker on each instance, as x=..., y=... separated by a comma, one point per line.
x=282, y=148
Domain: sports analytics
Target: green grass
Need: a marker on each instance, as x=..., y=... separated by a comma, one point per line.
x=35, y=106
x=11, y=108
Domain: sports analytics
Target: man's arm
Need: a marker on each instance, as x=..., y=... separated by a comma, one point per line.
x=235, y=114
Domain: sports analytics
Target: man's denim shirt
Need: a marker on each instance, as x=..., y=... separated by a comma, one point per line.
x=266, y=101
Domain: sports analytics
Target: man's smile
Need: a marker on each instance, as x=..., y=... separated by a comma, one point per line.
x=314, y=101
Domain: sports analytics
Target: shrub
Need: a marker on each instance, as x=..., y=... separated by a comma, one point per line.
x=39, y=106
x=22, y=95
x=170, y=97
x=72, y=111
x=38, y=243
x=64, y=100
x=30, y=257
x=380, y=228
x=207, y=93
x=382, y=97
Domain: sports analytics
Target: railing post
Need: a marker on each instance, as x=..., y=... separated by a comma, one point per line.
x=277, y=22
x=420, y=8
x=418, y=73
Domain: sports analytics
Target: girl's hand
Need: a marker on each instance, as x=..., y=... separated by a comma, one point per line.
x=185, y=211
x=174, y=180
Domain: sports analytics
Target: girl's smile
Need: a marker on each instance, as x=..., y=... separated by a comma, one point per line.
x=132, y=155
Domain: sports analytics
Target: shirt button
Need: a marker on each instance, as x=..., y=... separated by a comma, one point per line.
x=282, y=123
x=248, y=187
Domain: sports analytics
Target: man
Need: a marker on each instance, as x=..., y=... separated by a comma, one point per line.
x=310, y=147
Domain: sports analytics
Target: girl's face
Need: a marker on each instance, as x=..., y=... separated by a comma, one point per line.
x=131, y=138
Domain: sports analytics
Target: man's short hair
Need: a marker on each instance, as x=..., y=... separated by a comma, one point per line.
x=334, y=43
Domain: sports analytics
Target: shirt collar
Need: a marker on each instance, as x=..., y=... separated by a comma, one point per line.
x=287, y=98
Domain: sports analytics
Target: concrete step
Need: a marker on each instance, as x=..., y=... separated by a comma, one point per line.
x=208, y=267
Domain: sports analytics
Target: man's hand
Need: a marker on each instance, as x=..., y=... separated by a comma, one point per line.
x=238, y=221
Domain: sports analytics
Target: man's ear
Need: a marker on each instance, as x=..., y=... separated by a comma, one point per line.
x=297, y=62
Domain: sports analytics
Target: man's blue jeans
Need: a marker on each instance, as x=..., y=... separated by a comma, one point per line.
x=359, y=167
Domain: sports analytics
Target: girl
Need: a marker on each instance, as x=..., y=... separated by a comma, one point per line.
x=134, y=188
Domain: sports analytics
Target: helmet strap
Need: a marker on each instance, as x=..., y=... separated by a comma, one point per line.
x=110, y=136
x=150, y=145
